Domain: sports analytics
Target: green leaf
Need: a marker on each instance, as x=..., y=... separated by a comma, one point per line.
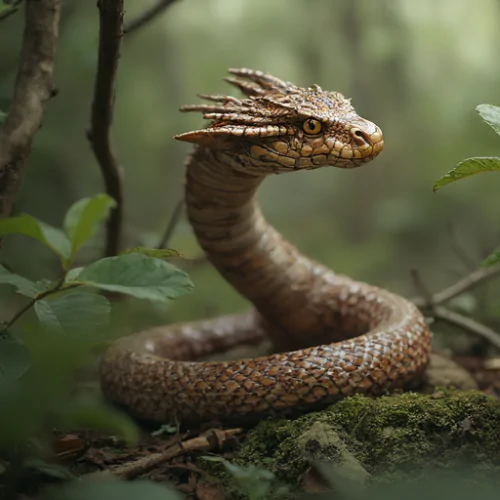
x=23, y=285
x=158, y=253
x=27, y=225
x=73, y=274
x=467, y=168
x=165, y=429
x=98, y=416
x=491, y=115
x=74, y=313
x=254, y=481
x=83, y=218
x=491, y=260
x=112, y=488
x=3, y=116
x=14, y=360
x=137, y=275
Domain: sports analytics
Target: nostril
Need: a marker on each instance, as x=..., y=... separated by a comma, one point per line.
x=360, y=137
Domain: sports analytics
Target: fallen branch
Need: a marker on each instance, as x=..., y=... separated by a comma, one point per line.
x=431, y=304
x=470, y=282
x=147, y=16
x=467, y=324
x=212, y=440
x=33, y=88
x=99, y=135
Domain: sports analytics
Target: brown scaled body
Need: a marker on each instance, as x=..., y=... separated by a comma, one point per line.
x=366, y=340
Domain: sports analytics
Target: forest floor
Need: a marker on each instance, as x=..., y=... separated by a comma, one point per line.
x=168, y=455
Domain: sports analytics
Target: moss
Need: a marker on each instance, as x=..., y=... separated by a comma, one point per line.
x=386, y=435
x=377, y=440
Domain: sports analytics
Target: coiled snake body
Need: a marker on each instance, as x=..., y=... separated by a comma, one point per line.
x=366, y=340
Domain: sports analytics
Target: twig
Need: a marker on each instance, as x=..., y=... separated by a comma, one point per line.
x=148, y=16
x=175, y=217
x=458, y=250
x=420, y=286
x=467, y=324
x=432, y=304
x=34, y=300
x=33, y=88
x=99, y=135
x=468, y=283
x=210, y=441
x=8, y=12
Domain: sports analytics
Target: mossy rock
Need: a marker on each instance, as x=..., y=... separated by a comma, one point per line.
x=380, y=439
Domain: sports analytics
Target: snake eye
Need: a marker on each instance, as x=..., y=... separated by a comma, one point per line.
x=312, y=126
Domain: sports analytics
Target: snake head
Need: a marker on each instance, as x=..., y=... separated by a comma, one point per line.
x=279, y=127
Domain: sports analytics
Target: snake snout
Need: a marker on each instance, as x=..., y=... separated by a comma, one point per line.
x=367, y=138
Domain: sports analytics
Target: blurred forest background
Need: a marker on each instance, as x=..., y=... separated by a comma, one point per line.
x=417, y=69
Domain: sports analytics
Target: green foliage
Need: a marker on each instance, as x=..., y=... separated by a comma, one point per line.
x=75, y=313
x=137, y=275
x=87, y=414
x=27, y=225
x=36, y=368
x=104, y=490
x=492, y=259
x=23, y=285
x=491, y=115
x=468, y=167
x=255, y=482
x=83, y=218
x=14, y=360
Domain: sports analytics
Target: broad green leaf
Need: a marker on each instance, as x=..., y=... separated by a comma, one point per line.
x=158, y=253
x=137, y=275
x=83, y=218
x=3, y=116
x=467, y=168
x=23, y=285
x=492, y=259
x=110, y=488
x=89, y=414
x=14, y=360
x=491, y=115
x=27, y=225
x=73, y=313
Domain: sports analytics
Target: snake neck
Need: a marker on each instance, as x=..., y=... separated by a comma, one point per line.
x=247, y=251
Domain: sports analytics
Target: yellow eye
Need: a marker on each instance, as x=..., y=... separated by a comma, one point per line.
x=312, y=126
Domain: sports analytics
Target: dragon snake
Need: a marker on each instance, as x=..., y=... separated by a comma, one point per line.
x=365, y=339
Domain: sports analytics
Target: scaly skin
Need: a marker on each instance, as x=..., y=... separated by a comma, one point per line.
x=368, y=340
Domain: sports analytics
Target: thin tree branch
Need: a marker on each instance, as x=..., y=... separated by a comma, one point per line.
x=4, y=14
x=172, y=224
x=467, y=324
x=458, y=250
x=33, y=88
x=147, y=16
x=99, y=135
x=468, y=283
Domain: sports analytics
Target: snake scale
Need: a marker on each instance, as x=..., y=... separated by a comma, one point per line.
x=332, y=336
